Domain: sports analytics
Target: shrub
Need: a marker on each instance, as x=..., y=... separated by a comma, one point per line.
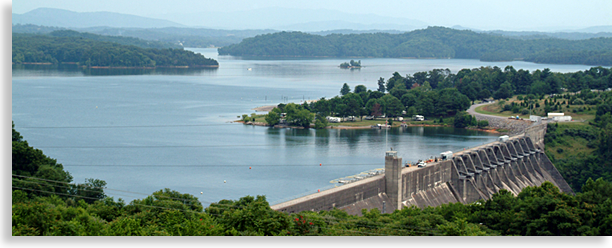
x=483, y=123
x=507, y=107
x=525, y=111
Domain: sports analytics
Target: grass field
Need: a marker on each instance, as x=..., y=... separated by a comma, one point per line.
x=587, y=114
x=569, y=146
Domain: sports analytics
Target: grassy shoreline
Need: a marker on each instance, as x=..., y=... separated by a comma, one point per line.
x=367, y=124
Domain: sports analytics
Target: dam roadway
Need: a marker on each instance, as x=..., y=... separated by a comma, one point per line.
x=470, y=175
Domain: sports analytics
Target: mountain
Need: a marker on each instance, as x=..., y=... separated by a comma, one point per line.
x=596, y=29
x=66, y=18
x=344, y=25
x=433, y=42
x=291, y=19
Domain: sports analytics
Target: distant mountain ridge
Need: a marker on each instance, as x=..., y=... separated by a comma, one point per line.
x=71, y=19
x=433, y=42
x=306, y=20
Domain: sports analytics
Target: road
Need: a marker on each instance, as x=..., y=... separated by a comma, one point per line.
x=513, y=126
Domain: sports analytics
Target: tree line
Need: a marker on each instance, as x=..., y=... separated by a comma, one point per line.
x=433, y=42
x=440, y=93
x=28, y=48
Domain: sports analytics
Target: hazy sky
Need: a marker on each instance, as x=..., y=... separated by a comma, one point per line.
x=483, y=14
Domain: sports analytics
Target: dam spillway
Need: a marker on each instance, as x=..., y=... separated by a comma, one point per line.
x=470, y=175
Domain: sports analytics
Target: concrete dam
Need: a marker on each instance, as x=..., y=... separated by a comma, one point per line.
x=470, y=175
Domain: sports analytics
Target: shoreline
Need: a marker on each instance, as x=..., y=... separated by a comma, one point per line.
x=363, y=127
x=120, y=67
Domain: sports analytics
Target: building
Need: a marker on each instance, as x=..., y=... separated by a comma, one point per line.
x=559, y=117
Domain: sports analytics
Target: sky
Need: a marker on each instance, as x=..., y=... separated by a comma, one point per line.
x=515, y=15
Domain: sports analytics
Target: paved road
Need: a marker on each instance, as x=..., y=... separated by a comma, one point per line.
x=472, y=111
x=514, y=126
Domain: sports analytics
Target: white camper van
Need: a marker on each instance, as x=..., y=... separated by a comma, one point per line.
x=503, y=138
x=446, y=155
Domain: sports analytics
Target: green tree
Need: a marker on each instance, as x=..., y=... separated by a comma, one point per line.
x=394, y=107
x=299, y=116
x=345, y=89
x=505, y=91
x=360, y=88
x=321, y=122
x=273, y=117
x=354, y=104
x=381, y=85
x=251, y=216
x=463, y=119
x=90, y=191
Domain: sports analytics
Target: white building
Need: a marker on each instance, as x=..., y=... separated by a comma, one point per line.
x=559, y=117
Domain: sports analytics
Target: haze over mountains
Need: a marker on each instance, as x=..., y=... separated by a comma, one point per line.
x=71, y=19
x=217, y=29
x=308, y=20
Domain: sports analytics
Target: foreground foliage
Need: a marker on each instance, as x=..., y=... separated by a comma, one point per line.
x=535, y=211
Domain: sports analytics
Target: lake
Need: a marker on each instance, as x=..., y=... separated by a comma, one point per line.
x=145, y=130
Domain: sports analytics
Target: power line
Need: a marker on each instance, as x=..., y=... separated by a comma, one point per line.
x=165, y=146
x=218, y=165
x=232, y=206
x=167, y=197
x=324, y=218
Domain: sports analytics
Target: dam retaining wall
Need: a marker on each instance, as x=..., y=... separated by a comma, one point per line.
x=468, y=176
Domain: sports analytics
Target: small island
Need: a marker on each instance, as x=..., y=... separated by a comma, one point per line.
x=351, y=65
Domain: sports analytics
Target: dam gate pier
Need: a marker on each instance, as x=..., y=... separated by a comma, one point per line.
x=470, y=175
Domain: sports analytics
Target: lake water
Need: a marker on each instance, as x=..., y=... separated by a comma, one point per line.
x=145, y=130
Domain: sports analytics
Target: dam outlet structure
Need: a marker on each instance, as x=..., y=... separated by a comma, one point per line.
x=466, y=176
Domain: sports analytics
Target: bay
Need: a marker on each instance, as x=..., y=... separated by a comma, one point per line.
x=145, y=130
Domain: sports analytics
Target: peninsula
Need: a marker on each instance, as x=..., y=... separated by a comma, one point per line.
x=44, y=49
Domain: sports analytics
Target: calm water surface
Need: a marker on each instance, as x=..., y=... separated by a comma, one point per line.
x=145, y=130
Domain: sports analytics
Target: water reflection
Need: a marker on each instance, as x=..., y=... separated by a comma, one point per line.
x=72, y=70
x=322, y=137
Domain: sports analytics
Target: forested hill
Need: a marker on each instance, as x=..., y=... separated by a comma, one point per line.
x=130, y=41
x=29, y=48
x=433, y=42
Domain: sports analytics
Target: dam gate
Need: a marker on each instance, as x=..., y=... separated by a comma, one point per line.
x=470, y=175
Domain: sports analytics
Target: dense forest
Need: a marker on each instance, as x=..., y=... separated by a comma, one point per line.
x=187, y=37
x=70, y=47
x=46, y=202
x=128, y=41
x=433, y=42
